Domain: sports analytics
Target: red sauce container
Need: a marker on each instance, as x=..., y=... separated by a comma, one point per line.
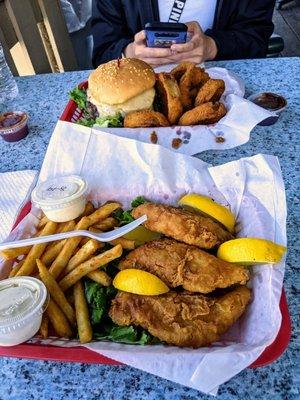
x=13, y=126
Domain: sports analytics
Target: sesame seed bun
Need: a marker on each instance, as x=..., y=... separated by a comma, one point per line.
x=118, y=81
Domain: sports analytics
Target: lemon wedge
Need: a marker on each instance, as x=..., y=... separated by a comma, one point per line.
x=141, y=235
x=139, y=282
x=250, y=251
x=208, y=207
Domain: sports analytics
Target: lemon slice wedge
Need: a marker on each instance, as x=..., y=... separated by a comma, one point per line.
x=139, y=282
x=250, y=251
x=141, y=235
x=208, y=207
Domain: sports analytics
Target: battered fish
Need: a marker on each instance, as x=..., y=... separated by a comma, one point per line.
x=182, y=225
x=179, y=264
x=181, y=319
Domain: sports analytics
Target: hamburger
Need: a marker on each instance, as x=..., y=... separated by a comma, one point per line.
x=121, y=86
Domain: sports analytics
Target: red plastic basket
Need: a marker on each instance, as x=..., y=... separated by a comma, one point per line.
x=72, y=113
x=81, y=354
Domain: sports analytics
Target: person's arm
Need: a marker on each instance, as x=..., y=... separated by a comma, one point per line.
x=110, y=32
x=248, y=34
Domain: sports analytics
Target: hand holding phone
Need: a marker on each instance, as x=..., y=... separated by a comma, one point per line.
x=165, y=34
x=153, y=56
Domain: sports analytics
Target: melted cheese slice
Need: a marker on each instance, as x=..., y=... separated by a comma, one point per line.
x=141, y=102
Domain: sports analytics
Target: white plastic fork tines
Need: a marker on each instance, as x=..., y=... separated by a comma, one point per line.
x=101, y=237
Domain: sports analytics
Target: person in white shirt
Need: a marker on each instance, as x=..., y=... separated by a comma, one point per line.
x=220, y=29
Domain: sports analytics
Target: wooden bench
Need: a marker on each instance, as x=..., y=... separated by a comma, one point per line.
x=34, y=37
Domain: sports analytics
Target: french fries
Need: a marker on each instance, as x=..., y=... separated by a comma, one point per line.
x=107, y=224
x=16, y=268
x=84, y=326
x=53, y=249
x=125, y=243
x=58, y=320
x=100, y=277
x=69, y=260
x=44, y=328
x=83, y=254
x=65, y=255
x=43, y=221
x=89, y=209
x=10, y=254
x=36, y=251
x=89, y=266
x=56, y=292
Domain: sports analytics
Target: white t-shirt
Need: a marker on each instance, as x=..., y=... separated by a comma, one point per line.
x=202, y=11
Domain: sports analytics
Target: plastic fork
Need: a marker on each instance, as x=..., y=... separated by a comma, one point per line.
x=101, y=237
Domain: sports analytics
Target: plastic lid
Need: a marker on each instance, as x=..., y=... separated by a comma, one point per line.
x=20, y=298
x=59, y=191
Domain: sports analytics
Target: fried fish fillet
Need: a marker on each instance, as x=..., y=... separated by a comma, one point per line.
x=181, y=319
x=169, y=96
x=182, y=225
x=179, y=264
x=145, y=118
x=205, y=114
x=212, y=90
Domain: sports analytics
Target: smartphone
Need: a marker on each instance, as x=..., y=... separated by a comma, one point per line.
x=164, y=34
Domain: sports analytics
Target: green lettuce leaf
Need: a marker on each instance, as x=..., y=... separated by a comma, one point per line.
x=110, y=121
x=123, y=334
x=79, y=96
x=125, y=217
x=98, y=298
x=138, y=201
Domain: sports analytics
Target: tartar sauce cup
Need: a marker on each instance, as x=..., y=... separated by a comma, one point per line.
x=22, y=302
x=61, y=199
x=13, y=126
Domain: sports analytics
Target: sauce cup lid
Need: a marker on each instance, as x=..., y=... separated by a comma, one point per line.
x=59, y=192
x=20, y=299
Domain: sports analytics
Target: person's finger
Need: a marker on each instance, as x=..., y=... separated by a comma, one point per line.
x=183, y=48
x=195, y=42
x=151, y=52
x=194, y=27
x=140, y=37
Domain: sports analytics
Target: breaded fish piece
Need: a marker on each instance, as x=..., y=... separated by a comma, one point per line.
x=181, y=319
x=205, y=114
x=182, y=225
x=179, y=264
x=145, y=118
x=169, y=96
x=212, y=90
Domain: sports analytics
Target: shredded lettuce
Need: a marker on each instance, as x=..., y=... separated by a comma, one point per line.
x=110, y=121
x=79, y=96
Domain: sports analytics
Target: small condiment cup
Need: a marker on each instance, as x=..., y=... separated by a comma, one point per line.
x=269, y=101
x=22, y=302
x=61, y=199
x=13, y=126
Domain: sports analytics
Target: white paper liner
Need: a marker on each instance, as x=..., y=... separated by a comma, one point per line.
x=234, y=128
x=120, y=169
